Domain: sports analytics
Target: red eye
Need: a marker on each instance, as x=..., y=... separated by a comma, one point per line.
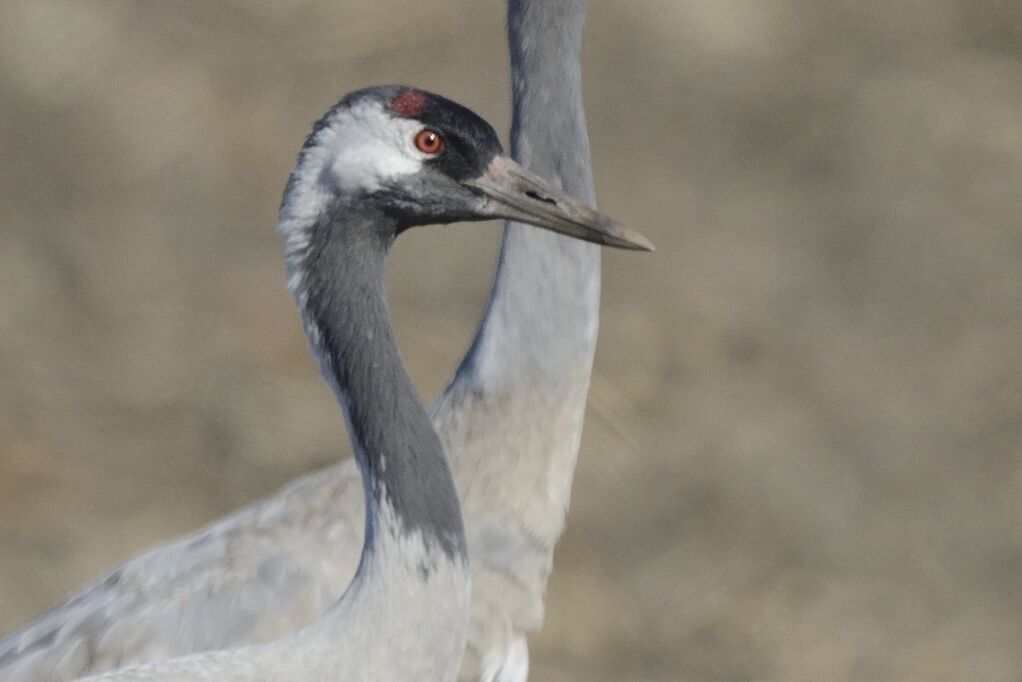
x=429, y=141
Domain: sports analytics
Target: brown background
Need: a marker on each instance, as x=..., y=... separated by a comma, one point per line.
x=801, y=460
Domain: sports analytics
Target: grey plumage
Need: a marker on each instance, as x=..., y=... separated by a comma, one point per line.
x=510, y=420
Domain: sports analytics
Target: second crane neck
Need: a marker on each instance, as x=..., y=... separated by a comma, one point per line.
x=543, y=312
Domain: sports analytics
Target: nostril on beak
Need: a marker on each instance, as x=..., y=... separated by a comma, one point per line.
x=539, y=197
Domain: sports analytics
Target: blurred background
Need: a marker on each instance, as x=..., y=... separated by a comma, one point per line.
x=802, y=454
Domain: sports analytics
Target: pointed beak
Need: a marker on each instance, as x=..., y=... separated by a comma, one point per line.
x=516, y=194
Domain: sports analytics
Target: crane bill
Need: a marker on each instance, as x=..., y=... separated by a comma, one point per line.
x=516, y=194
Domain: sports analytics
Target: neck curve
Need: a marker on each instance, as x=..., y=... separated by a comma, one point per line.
x=543, y=311
x=337, y=276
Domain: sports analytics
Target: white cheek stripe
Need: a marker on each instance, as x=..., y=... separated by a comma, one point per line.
x=359, y=150
x=365, y=146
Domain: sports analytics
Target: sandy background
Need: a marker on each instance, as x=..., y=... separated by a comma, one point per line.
x=802, y=457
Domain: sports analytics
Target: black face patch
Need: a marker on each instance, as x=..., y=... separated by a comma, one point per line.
x=471, y=142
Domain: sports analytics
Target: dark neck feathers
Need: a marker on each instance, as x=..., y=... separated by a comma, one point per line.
x=339, y=282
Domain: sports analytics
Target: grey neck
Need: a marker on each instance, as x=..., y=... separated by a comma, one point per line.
x=339, y=282
x=543, y=311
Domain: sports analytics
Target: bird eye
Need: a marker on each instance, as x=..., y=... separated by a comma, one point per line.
x=429, y=141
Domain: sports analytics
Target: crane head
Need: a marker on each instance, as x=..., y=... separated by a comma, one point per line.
x=420, y=159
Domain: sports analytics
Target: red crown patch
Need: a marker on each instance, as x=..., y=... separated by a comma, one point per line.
x=409, y=103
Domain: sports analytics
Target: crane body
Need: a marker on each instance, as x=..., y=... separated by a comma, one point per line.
x=510, y=421
x=383, y=160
